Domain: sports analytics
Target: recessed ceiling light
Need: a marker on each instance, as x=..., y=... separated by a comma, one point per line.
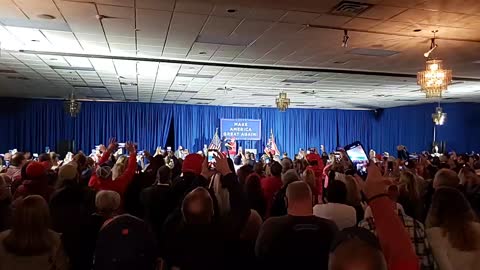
x=231, y=10
x=46, y=16
x=417, y=30
x=202, y=53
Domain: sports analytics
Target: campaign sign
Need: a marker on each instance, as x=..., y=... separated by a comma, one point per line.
x=241, y=129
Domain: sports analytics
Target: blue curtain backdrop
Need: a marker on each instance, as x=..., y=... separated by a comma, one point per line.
x=295, y=128
x=33, y=124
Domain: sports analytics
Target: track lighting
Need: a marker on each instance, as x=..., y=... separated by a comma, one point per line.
x=433, y=45
x=345, y=39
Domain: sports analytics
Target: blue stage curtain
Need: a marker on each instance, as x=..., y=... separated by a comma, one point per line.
x=461, y=131
x=295, y=128
x=411, y=126
x=355, y=126
x=32, y=125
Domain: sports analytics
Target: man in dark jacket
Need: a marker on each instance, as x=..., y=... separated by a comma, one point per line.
x=298, y=240
x=158, y=201
x=194, y=237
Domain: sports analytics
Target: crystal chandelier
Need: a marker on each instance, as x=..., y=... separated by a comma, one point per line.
x=72, y=106
x=439, y=117
x=282, y=101
x=434, y=79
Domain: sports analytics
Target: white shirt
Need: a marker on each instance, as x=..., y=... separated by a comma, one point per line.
x=448, y=257
x=343, y=215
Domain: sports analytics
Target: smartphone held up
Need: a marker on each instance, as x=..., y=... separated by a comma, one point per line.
x=357, y=155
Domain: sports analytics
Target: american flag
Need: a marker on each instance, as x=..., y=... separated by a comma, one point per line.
x=215, y=144
x=271, y=145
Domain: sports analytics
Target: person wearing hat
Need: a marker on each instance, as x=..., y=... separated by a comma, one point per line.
x=70, y=208
x=35, y=182
x=191, y=176
x=102, y=179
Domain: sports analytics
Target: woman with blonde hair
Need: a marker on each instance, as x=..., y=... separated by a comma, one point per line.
x=409, y=196
x=454, y=234
x=30, y=244
x=311, y=180
x=354, y=198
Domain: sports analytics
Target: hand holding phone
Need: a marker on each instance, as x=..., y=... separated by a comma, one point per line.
x=358, y=157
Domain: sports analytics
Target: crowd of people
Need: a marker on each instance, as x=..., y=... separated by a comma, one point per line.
x=186, y=212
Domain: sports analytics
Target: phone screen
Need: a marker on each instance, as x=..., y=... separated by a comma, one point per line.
x=211, y=156
x=356, y=153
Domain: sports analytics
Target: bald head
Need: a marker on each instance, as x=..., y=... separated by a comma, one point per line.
x=446, y=178
x=355, y=254
x=299, y=198
x=197, y=207
x=298, y=192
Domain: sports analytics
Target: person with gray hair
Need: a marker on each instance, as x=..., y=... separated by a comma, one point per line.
x=446, y=178
x=300, y=239
x=107, y=203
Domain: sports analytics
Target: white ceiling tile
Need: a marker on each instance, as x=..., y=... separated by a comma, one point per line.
x=298, y=17
x=81, y=17
x=184, y=29
x=156, y=4
x=152, y=24
x=122, y=21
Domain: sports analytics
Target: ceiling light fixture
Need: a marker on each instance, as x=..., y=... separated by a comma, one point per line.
x=345, y=39
x=434, y=80
x=282, y=101
x=72, y=106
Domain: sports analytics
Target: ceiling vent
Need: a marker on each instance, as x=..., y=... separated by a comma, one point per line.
x=350, y=8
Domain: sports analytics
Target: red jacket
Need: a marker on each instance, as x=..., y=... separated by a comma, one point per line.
x=121, y=183
x=318, y=170
x=394, y=239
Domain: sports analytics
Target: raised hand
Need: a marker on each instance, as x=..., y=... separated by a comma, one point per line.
x=376, y=184
x=222, y=164
x=206, y=172
x=130, y=146
x=112, y=144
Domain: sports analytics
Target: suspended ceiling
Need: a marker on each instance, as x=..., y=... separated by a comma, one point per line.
x=113, y=50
